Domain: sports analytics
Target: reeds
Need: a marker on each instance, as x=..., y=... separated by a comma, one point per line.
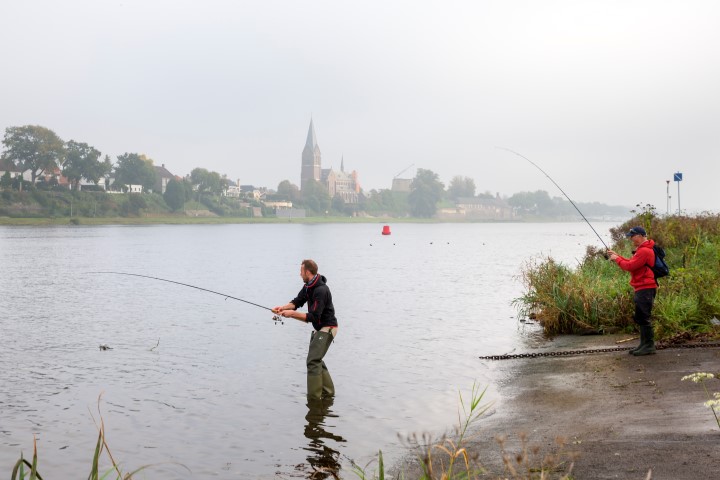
x=114, y=472
x=596, y=296
x=452, y=458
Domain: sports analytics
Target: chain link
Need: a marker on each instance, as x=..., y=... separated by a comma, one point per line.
x=564, y=353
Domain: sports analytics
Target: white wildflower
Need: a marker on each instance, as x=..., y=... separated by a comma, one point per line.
x=698, y=377
x=713, y=404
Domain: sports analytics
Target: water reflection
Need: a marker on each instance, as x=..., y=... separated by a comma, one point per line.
x=323, y=459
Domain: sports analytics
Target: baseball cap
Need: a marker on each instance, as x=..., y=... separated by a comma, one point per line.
x=636, y=231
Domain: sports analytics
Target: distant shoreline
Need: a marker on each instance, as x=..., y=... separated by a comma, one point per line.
x=184, y=220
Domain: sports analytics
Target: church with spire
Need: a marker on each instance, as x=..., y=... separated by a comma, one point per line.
x=342, y=184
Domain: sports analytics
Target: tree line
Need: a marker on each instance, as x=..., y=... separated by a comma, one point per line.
x=40, y=151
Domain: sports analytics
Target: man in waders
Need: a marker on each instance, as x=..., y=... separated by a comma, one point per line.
x=321, y=314
x=642, y=279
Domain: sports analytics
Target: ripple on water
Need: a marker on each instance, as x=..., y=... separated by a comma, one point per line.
x=212, y=383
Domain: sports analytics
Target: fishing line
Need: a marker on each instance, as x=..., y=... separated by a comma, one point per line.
x=188, y=285
x=563, y=192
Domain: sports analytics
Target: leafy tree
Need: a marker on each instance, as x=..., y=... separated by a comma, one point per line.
x=175, y=195
x=289, y=190
x=425, y=192
x=538, y=202
x=338, y=204
x=315, y=197
x=461, y=187
x=485, y=194
x=225, y=183
x=385, y=201
x=33, y=148
x=5, y=180
x=187, y=186
x=206, y=181
x=82, y=161
x=134, y=169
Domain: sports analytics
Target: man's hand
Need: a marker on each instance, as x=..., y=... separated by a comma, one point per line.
x=278, y=310
x=612, y=255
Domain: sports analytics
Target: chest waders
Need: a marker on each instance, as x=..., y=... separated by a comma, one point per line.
x=319, y=382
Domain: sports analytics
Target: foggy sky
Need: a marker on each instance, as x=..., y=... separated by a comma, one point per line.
x=608, y=97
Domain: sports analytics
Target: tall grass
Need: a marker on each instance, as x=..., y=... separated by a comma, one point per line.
x=453, y=459
x=597, y=296
x=114, y=472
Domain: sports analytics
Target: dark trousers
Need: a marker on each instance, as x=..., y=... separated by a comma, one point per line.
x=643, y=306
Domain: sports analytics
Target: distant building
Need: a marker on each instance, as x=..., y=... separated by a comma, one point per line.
x=290, y=213
x=278, y=205
x=233, y=191
x=474, y=208
x=311, y=159
x=163, y=178
x=255, y=193
x=401, y=184
x=341, y=183
x=52, y=177
x=86, y=184
x=13, y=172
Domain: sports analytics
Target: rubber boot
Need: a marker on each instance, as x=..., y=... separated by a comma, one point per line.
x=328, y=388
x=314, y=387
x=648, y=347
x=642, y=340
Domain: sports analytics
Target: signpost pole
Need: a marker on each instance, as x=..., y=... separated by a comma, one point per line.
x=678, y=178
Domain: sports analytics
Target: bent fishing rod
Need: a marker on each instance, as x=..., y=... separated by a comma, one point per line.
x=275, y=317
x=559, y=188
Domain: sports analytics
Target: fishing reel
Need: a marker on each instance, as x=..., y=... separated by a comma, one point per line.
x=278, y=319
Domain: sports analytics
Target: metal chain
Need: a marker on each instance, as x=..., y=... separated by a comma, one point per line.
x=564, y=353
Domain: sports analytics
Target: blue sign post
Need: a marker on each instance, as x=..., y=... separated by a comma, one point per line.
x=678, y=178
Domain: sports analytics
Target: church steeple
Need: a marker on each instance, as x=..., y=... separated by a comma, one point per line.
x=311, y=140
x=311, y=158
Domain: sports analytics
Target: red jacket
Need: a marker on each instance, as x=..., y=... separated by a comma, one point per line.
x=641, y=275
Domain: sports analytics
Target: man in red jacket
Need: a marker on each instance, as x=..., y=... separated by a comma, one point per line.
x=642, y=279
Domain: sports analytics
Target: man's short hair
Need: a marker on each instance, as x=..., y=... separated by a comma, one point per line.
x=310, y=266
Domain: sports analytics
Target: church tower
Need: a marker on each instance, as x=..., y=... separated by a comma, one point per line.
x=310, y=159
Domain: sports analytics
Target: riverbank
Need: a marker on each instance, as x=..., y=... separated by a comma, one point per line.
x=620, y=415
x=187, y=220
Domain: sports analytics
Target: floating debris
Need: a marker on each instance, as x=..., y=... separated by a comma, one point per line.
x=105, y=347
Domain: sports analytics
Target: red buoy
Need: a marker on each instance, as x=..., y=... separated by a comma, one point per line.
x=386, y=230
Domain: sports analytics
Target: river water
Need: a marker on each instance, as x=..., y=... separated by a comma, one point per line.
x=200, y=386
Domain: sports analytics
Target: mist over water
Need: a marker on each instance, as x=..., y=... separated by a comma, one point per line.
x=223, y=392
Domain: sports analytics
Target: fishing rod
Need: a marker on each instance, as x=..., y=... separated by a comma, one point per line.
x=275, y=317
x=559, y=188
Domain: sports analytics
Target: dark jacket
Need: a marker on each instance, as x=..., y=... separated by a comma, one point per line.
x=321, y=312
x=641, y=275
